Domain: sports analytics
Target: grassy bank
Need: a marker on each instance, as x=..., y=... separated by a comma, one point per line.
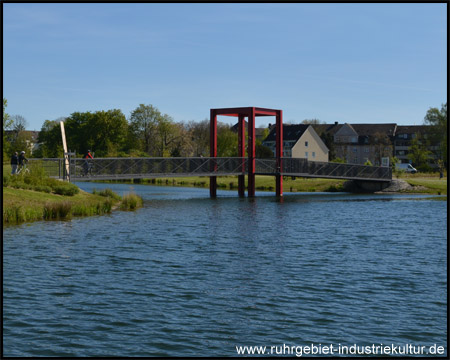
x=426, y=183
x=263, y=183
x=35, y=196
x=20, y=205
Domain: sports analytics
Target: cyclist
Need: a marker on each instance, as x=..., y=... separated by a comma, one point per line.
x=86, y=164
x=22, y=160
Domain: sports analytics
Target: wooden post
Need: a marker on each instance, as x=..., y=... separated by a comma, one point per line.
x=66, y=154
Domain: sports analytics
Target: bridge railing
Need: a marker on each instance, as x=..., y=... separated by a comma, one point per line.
x=303, y=167
x=126, y=168
x=54, y=167
x=154, y=167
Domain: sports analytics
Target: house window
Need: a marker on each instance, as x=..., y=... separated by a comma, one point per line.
x=366, y=149
x=355, y=149
x=313, y=154
x=355, y=160
x=306, y=154
x=354, y=139
x=306, y=144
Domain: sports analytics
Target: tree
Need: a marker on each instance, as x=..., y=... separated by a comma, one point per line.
x=19, y=123
x=199, y=137
x=313, y=121
x=418, y=153
x=143, y=124
x=227, y=141
x=261, y=151
x=108, y=132
x=382, y=146
x=438, y=121
x=328, y=140
x=166, y=133
x=50, y=140
x=7, y=122
x=18, y=138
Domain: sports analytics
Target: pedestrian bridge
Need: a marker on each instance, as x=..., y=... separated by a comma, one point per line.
x=137, y=168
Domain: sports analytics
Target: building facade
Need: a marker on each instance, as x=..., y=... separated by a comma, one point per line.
x=299, y=141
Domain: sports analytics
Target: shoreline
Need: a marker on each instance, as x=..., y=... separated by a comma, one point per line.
x=416, y=185
x=24, y=206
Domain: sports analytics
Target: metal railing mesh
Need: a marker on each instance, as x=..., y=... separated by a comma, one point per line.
x=126, y=168
x=155, y=167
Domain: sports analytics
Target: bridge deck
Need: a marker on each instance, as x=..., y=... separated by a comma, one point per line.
x=138, y=168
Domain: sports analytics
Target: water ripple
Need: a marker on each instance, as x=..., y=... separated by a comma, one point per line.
x=187, y=276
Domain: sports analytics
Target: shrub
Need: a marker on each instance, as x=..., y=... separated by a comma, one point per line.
x=42, y=188
x=67, y=189
x=6, y=179
x=107, y=193
x=131, y=201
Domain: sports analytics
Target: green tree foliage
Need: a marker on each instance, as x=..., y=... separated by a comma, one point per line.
x=154, y=133
x=7, y=122
x=418, y=153
x=199, y=137
x=50, y=140
x=438, y=121
x=261, y=151
x=19, y=139
x=227, y=141
x=143, y=124
x=103, y=132
x=167, y=133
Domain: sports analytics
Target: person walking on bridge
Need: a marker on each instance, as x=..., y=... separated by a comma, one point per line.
x=87, y=165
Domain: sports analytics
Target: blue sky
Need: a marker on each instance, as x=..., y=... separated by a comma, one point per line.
x=355, y=63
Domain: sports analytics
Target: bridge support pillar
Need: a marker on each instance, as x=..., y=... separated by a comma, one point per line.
x=241, y=154
x=213, y=152
x=251, y=153
x=279, y=154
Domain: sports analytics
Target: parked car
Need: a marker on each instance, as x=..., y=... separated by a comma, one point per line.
x=406, y=167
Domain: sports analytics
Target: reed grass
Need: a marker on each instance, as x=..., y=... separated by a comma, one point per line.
x=131, y=201
x=57, y=210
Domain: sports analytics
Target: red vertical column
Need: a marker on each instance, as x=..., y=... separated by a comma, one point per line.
x=241, y=153
x=213, y=153
x=279, y=154
x=251, y=153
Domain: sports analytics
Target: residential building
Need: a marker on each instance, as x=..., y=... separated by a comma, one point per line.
x=359, y=143
x=402, y=141
x=299, y=141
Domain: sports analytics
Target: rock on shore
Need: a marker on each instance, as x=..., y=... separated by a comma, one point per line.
x=398, y=185
x=395, y=186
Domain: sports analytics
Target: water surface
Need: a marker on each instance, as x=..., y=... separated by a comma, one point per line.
x=188, y=275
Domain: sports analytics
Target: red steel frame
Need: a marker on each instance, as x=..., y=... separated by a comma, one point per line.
x=250, y=113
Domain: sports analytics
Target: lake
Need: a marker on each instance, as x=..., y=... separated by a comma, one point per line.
x=187, y=275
